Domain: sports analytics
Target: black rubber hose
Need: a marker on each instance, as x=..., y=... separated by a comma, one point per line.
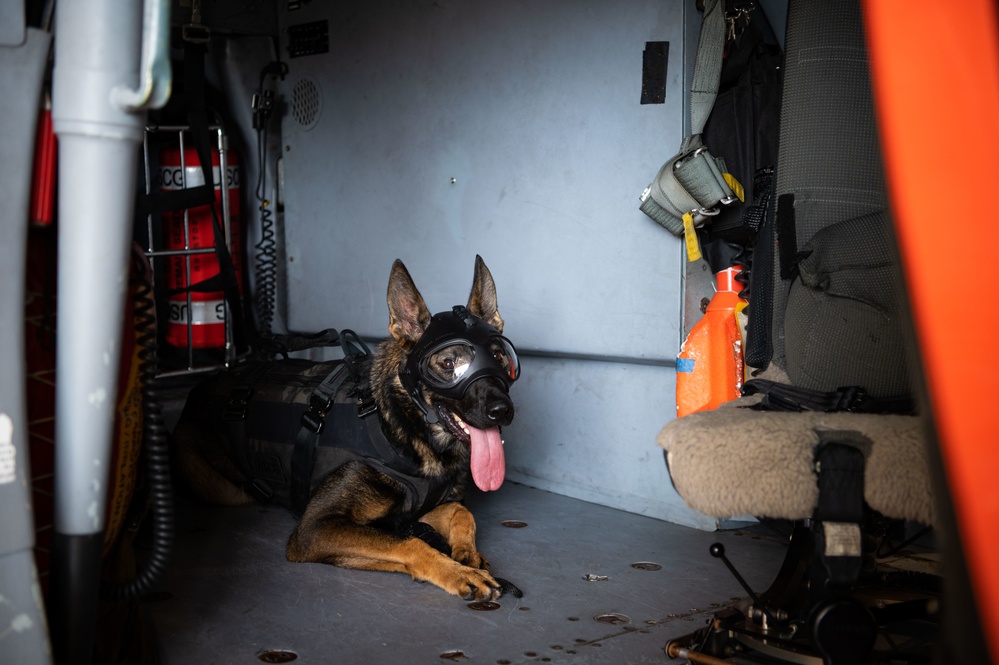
x=154, y=442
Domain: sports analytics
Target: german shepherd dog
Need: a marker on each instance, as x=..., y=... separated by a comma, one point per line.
x=351, y=519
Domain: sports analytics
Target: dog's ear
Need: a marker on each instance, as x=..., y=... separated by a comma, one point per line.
x=482, y=299
x=408, y=314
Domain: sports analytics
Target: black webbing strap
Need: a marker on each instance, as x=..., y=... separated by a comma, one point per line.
x=429, y=535
x=784, y=397
x=303, y=456
x=759, y=342
x=282, y=345
x=787, y=242
x=176, y=199
x=840, y=510
x=234, y=414
x=194, y=83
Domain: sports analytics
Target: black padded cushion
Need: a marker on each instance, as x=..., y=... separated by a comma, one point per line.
x=843, y=323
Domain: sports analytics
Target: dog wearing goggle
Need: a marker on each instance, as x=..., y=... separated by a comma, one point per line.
x=437, y=392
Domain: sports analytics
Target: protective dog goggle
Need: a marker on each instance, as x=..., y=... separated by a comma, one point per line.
x=456, y=350
x=451, y=366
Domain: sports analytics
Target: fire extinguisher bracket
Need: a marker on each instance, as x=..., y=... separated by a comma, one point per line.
x=197, y=314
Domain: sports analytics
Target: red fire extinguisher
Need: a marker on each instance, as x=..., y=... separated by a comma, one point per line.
x=206, y=314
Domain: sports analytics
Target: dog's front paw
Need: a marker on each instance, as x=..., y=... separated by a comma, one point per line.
x=460, y=580
x=476, y=584
x=470, y=558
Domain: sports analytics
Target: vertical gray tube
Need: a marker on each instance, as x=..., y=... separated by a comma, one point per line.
x=97, y=49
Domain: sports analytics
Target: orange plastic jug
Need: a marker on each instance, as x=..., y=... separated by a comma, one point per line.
x=710, y=368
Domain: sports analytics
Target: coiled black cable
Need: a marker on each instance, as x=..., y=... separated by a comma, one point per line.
x=265, y=266
x=155, y=446
x=265, y=259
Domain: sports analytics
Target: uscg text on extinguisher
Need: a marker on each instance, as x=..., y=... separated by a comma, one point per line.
x=202, y=312
x=175, y=177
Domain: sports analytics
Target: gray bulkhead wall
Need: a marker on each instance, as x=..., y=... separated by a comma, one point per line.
x=435, y=131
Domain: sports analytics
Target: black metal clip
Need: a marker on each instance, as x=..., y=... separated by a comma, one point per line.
x=239, y=399
x=313, y=421
x=320, y=403
x=849, y=398
x=366, y=407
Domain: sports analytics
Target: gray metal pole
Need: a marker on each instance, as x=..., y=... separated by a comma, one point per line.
x=95, y=115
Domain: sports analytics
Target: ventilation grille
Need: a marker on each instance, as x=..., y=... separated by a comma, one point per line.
x=306, y=103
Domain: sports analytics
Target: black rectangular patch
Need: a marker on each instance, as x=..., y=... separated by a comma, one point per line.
x=269, y=467
x=787, y=237
x=655, y=59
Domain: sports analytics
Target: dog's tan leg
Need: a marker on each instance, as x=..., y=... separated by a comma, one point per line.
x=337, y=541
x=455, y=523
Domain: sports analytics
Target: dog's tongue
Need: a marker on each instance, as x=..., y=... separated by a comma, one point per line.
x=488, y=462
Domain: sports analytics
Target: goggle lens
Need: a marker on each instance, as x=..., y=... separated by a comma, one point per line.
x=453, y=363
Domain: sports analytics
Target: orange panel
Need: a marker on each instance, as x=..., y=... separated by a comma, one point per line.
x=935, y=67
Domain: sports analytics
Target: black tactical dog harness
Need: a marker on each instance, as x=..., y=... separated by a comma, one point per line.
x=290, y=423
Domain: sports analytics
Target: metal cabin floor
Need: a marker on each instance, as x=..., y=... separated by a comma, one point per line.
x=229, y=595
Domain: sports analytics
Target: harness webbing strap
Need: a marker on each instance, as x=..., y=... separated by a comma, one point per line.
x=234, y=414
x=303, y=456
x=290, y=424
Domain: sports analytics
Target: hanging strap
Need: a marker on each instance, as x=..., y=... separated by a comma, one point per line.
x=226, y=281
x=694, y=183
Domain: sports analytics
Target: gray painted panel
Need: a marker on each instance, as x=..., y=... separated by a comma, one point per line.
x=433, y=132
x=511, y=130
x=12, y=26
x=587, y=429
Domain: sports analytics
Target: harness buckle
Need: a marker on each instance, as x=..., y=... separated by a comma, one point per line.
x=313, y=421
x=320, y=404
x=366, y=408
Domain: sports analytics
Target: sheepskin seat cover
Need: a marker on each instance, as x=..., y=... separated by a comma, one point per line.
x=736, y=461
